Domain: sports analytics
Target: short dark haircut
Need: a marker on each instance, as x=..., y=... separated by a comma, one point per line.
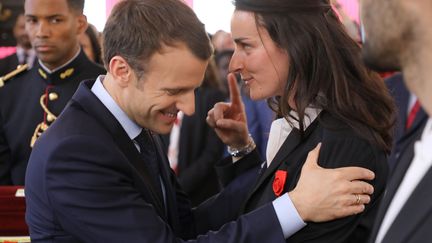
x=136, y=29
x=326, y=68
x=77, y=5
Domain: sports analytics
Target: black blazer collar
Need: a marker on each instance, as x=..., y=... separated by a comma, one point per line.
x=289, y=145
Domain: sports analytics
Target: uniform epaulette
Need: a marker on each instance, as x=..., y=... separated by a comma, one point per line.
x=18, y=70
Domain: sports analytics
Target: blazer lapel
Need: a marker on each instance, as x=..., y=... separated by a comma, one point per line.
x=415, y=209
x=91, y=104
x=290, y=144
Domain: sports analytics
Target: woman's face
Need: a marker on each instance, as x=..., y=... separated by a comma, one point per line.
x=262, y=65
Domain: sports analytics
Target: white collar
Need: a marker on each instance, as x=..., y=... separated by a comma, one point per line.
x=280, y=129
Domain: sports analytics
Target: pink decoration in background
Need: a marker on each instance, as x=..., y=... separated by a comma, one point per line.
x=351, y=7
x=109, y=5
x=6, y=51
x=189, y=2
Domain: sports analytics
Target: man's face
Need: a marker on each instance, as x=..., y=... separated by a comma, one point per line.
x=168, y=86
x=384, y=24
x=53, y=29
x=20, y=33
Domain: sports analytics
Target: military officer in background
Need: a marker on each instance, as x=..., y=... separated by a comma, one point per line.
x=30, y=101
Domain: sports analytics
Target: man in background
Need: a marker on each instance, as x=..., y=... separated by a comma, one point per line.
x=398, y=37
x=31, y=101
x=24, y=53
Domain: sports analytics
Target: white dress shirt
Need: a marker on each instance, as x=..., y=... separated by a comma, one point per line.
x=280, y=129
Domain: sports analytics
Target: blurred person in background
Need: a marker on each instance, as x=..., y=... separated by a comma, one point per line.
x=24, y=52
x=411, y=118
x=398, y=36
x=90, y=43
x=351, y=26
x=222, y=41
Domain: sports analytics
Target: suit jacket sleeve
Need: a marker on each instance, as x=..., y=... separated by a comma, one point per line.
x=228, y=171
x=341, y=151
x=95, y=201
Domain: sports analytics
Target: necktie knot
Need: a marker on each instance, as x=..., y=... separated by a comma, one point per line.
x=144, y=141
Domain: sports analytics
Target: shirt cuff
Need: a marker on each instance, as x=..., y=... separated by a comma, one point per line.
x=287, y=214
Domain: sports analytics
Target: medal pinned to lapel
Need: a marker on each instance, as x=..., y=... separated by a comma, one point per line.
x=279, y=182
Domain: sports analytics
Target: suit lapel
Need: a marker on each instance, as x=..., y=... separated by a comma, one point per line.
x=290, y=143
x=396, y=178
x=415, y=209
x=392, y=185
x=92, y=105
x=418, y=123
x=167, y=176
x=293, y=140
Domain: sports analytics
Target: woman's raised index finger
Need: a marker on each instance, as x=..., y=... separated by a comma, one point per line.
x=234, y=90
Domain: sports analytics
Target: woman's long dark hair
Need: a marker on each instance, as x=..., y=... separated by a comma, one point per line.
x=326, y=68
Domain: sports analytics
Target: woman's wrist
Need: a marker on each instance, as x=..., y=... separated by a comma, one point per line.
x=240, y=152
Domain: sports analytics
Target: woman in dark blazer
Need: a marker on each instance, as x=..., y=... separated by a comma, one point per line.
x=297, y=54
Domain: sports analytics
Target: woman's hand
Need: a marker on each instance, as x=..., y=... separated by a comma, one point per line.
x=229, y=119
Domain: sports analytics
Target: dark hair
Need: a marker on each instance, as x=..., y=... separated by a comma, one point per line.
x=326, y=68
x=136, y=30
x=92, y=33
x=77, y=5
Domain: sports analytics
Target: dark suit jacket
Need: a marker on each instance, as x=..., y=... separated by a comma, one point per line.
x=403, y=138
x=413, y=223
x=341, y=146
x=8, y=64
x=86, y=182
x=21, y=111
x=199, y=149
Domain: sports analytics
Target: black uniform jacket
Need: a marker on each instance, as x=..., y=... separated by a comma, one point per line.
x=29, y=103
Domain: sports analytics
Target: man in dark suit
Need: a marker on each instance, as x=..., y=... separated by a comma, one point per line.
x=33, y=99
x=99, y=174
x=411, y=117
x=24, y=53
x=398, y=36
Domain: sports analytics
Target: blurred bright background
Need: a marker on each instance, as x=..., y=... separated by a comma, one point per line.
x=215, y=14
